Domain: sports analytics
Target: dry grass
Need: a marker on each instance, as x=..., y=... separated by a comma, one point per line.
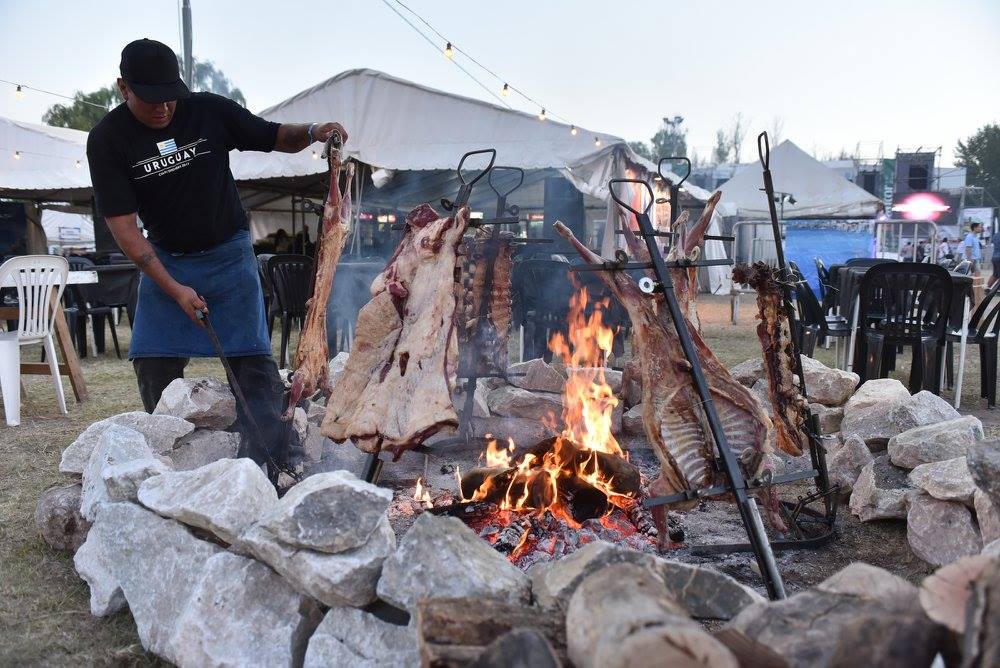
x=44, y=607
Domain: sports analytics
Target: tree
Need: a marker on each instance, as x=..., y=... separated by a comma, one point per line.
x=670, y=139
x=777, y=130
x=737, y=133
x=721, y=151
x=641, y=148
x=83, y=116
x=980, y=155
x=80, y=115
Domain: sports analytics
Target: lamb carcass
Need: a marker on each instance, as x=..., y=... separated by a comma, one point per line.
x=672, y=416
x=791, y=411
x=395, y=391
x=312, y=353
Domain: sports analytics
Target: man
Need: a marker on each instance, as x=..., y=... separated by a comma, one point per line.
x=163, y=155
x=972, y=251
x=944, y=249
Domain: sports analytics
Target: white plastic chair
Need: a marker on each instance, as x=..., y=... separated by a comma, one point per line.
x=34, y=277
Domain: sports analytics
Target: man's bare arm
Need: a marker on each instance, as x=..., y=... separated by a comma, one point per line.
x=294, y=137
x=135, y=246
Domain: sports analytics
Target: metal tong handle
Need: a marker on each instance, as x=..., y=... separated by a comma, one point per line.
x=764, y=150
x=481, y=174
x=333, y=143
x=616, y=198
x=669, y=158
x=493, y=186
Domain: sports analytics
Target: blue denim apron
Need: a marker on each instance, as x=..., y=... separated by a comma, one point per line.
x=226, y=277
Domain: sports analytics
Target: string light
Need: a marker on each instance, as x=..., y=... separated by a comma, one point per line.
x=315, y=155
x=505, y=91
x=20, y=88
x=572, y=130
x=17, y=155
x=597, y=141
x=448, y=51
x=79, y=164
x=19, y=92
x=541, y=115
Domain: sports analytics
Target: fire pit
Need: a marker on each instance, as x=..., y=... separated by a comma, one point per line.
x=544, y=500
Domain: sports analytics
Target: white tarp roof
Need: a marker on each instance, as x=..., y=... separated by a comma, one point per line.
x=819, y=192
x=47, y=162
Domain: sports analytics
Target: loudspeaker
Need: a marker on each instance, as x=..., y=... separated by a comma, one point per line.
x=914, y=172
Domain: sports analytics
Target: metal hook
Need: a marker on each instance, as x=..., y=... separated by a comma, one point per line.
x=520, y=180
x=484, y=172
x=764, y=150
x=333, y=143
x=614, y=195
x=659, y=168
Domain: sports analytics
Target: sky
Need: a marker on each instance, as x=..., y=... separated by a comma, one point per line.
x=832, y=75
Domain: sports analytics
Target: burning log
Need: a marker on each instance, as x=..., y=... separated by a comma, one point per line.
x=623, y=477
x=640, y=516
x=583, y=500
x=455, y=631
x=513, y=536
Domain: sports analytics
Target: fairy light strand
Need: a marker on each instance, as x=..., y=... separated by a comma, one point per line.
x=23, y=86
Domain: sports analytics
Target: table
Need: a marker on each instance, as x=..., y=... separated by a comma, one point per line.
x=71, y=363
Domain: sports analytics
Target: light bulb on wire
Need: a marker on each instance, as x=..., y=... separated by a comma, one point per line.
x=448, y=51
x=541, y=115
x=17, y=155
x=315, y=155
x=597, y=141
x=79, y=164
x=572, y=130
x=19, y=92
x=505, y=91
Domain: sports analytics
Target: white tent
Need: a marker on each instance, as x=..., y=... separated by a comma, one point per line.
x=70, y=230
x=43, y=162
x=818, y=191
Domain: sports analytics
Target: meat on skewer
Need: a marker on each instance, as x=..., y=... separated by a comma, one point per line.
x=791, y=411
x=672, y=416
x=395, y=391
x=312, y=353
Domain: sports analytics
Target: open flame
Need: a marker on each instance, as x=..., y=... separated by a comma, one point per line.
x=565, y=475
x=422, y=494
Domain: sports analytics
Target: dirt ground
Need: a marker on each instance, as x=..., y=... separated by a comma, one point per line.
x=44, y=605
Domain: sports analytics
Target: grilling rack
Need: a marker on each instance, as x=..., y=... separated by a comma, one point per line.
x=469, y=371
x=800, y=513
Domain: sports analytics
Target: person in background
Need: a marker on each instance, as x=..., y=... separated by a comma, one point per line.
x=972, y=251
x=995, y=276
x=906, y=254
x=944, y=249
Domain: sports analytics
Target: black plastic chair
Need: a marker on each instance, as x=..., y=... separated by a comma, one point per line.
x=350, y=292
x=291, y=278
x=84, y=302
x=813, y=324
x=869, y=261
x=267, y=289
x=541, y=290
x=984, y=324
x=904, y=304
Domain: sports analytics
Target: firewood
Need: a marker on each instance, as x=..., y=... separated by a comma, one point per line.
x=625, y=476
x=513, y=535
x=583, y=500
x=454, y=632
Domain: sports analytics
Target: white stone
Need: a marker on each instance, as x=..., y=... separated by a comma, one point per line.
x=509, y=401
x=117, y=444
x=748, y=372
x=204, y=402
x=157, y=563
x=336, y=367
x=871, y=583
x=328, y=512
x=352, y=637
x=202, y=447
x=948, y=480
x=830, y=387
x=987, y=515
x=122, y=480
x=992, y=549
x=877, y=391
x=300, y=422
x=539, y=376
x=828, y=418
x=224, y=497
x=877, y=423
x=106, y=597
x=632, y=421
x=880, y=491
x=845, y=463
x=440, y=557
x=347, y=578
x=935, y=441
x=161, y=432
x=241, y=613
x=940, y=532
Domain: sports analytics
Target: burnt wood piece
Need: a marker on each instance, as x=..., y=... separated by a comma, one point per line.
x=625, y=476
x=454, y=631
x=513, y=535
x=642, y=518
x=583, y=500
x=789, y=407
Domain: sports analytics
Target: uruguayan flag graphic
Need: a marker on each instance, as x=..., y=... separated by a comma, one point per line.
x=167, y=146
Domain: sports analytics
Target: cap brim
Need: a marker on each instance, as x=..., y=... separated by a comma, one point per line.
x=157, y=93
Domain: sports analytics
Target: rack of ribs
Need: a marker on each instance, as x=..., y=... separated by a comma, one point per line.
x=791, y=411
x=312, y=353
x=395, y=391
x=673, y=420
x=486, y=342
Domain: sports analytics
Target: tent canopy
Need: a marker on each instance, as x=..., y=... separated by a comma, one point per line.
x=51, y=163
x=819, y=192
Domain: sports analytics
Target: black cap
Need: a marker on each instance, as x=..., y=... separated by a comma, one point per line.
x=150, y=70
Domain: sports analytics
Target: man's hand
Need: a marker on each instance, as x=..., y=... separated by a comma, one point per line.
x=323, y=131
x=190, y=302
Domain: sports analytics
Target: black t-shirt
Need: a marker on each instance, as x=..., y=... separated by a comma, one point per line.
x=177, y=179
